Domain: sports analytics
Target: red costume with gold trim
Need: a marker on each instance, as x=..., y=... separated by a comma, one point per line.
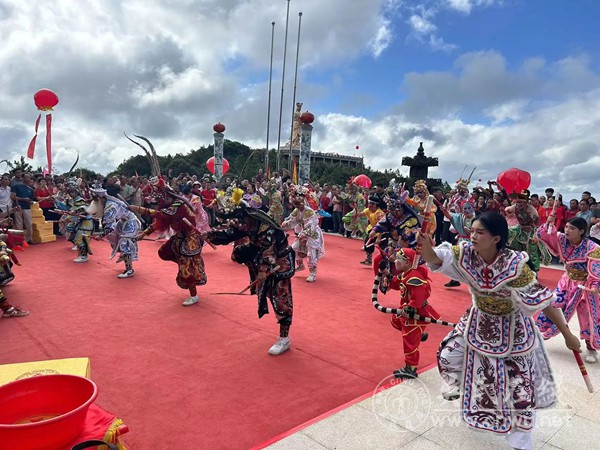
x=415, y=289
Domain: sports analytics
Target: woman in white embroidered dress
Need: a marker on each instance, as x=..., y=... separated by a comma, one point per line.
x=495, y=359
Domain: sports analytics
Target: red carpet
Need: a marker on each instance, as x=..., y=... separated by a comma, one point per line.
x=200, y=377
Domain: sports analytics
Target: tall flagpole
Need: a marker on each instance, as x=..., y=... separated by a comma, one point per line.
x=269, y=107
x=287, y=19
x=294, y=99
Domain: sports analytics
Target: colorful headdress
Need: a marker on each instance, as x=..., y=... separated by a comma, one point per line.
x=406, y=253
x=420, y=186
x=463, y=183
x=98, y=190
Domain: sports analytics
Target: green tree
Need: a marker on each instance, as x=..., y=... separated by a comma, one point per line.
x=18, y=164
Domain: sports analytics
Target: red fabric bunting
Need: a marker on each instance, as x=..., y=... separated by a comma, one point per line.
x=31, y=148
x=49, y=141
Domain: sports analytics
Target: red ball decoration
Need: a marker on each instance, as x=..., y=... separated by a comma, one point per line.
x=219, y=128
x=514, y=181
x=45, y=99
x=363, y=181
x=357, y=147
x=210, y=165
x=307, y=117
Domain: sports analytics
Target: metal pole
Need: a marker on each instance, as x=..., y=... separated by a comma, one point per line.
x=269, y=107
x=294, y=98
x=287, y=19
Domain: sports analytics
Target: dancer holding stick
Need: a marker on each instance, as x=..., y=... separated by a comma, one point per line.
x=495, y=358
x=577, y=289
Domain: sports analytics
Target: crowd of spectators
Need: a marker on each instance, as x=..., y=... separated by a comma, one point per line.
x=19, y=190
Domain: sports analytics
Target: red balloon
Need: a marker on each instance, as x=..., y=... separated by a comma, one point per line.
x=357, y=147
x=362, y=181
x=210, y=165
x=514, y=181
x=45, y=99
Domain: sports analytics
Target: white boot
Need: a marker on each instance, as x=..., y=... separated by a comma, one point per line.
x=280, y=346
x=81, y=259
x=74, y=248
x=451, y=393
x=190, y=301
x=312, y=277
x=591, y=356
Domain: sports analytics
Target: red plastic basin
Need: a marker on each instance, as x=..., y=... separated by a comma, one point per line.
x=46, y=412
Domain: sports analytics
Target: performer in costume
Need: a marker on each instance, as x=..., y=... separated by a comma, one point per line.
x=81, y=231
x=276, y=206
x=461, y=223
x=309, y=241
x=120, y=225
x=374, y=215
x=184, y=247
x=267, y=253
x=415, y=289
x=419, y=200
x=202, y=220
x=579, y=287
x=495, y=358
x=522, y=237
x=398, y=229
x=354, y=222
x=8, y=310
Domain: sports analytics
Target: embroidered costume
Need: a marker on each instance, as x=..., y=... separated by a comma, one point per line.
x=522, y=236
x=578, y=289
x=496, y=354
x=309, y=241
x=398, y=229
x=121, y=227
x=266, y=253
x=184, y=247
x=81, y=229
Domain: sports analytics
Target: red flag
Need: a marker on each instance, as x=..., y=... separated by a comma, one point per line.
x=48, y=141
x=31, y=148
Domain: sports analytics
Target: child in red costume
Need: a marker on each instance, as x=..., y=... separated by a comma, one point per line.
x=415, y=289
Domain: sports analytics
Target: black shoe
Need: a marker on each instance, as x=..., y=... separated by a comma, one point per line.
x=452, y=283
x=424, y=337
x=406, y=373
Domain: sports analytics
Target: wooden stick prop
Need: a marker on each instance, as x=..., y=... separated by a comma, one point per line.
x=250, y=286
x=188, y=223
x=399, y=311
x=577, y=355
x=424, y=229
x=553, y=213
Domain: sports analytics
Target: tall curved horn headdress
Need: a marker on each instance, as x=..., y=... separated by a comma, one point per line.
x=151, y=154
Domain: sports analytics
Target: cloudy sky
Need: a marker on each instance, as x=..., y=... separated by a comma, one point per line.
x=488, y=83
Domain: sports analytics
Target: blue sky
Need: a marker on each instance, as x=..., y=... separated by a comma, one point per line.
x=492, y=83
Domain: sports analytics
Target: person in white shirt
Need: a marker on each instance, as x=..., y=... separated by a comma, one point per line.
x=5, y=194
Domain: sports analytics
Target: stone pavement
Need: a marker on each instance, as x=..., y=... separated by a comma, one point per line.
x=413, y=416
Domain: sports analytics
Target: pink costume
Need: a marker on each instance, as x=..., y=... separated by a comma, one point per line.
x=577, y=289
x=202, y=224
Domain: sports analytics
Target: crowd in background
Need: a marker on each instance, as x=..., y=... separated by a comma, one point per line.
x=19, y=190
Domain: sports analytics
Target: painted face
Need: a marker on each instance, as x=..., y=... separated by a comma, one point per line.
x=468, y=209
x=402, y=264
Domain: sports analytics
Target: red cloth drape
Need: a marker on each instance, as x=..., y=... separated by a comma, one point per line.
x=49, y=141
x=31, y=148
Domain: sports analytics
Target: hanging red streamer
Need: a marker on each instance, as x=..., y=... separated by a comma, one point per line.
x=31, y=148
x=49, y=141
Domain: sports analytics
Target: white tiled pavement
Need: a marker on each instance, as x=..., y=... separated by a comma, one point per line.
x=413, y=416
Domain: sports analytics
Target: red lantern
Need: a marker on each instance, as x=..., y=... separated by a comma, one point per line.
x=219, y=128
x=514, y=181
x=210, y=165
x=363, y=181
x=45, y=99
x=357, y=147
x=307, y=117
